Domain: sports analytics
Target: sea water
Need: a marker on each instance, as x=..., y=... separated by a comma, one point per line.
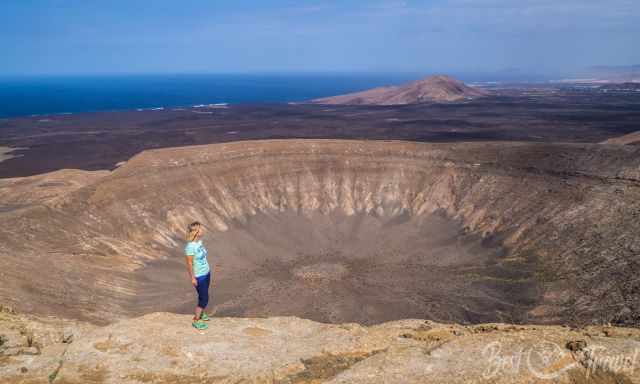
x=37, y=95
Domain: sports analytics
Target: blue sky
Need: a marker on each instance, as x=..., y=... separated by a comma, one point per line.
x=131, y=36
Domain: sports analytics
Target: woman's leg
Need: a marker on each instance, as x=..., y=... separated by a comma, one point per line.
x=203, y=294
x=199, y=308
x=206, y=281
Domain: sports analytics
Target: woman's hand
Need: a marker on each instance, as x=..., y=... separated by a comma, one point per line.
x=194, y=281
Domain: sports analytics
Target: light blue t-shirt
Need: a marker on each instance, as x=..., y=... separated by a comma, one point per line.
x=199, y=253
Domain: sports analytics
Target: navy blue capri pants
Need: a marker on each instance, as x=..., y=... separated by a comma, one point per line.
x=203, y=289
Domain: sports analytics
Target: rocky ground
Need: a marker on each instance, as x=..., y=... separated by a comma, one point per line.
x=164, y=348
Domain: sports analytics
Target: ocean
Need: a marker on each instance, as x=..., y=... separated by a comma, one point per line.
x=25, y=96
x=39, y=95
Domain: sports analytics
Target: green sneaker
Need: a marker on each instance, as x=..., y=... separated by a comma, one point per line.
x=204, y=316
x=198, y=324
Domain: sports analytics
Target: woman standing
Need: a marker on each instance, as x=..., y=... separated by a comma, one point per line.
x=199, y=271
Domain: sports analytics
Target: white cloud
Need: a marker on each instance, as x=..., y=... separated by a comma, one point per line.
x=513, y=15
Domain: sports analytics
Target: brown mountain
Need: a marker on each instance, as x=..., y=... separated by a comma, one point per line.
x=432, y=89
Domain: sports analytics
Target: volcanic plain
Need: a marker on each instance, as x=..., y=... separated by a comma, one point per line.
x=101, y=140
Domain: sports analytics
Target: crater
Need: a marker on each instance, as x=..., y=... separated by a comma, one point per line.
x=342, y=231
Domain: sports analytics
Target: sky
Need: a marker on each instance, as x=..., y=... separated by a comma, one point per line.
x=198, y=36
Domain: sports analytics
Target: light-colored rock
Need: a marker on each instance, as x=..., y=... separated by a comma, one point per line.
x=21, y=192
x=164, y=348
x=5, y=152
x=33, y=348
x=632, y=138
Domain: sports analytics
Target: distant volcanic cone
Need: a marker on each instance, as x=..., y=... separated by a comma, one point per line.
x=432, y=89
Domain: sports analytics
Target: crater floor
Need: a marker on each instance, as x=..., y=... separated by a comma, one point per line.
x=361, y=268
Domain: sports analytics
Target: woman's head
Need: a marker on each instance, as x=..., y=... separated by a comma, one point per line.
x=194, y=231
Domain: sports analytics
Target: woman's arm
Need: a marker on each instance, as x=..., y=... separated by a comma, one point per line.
x=190, y=270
